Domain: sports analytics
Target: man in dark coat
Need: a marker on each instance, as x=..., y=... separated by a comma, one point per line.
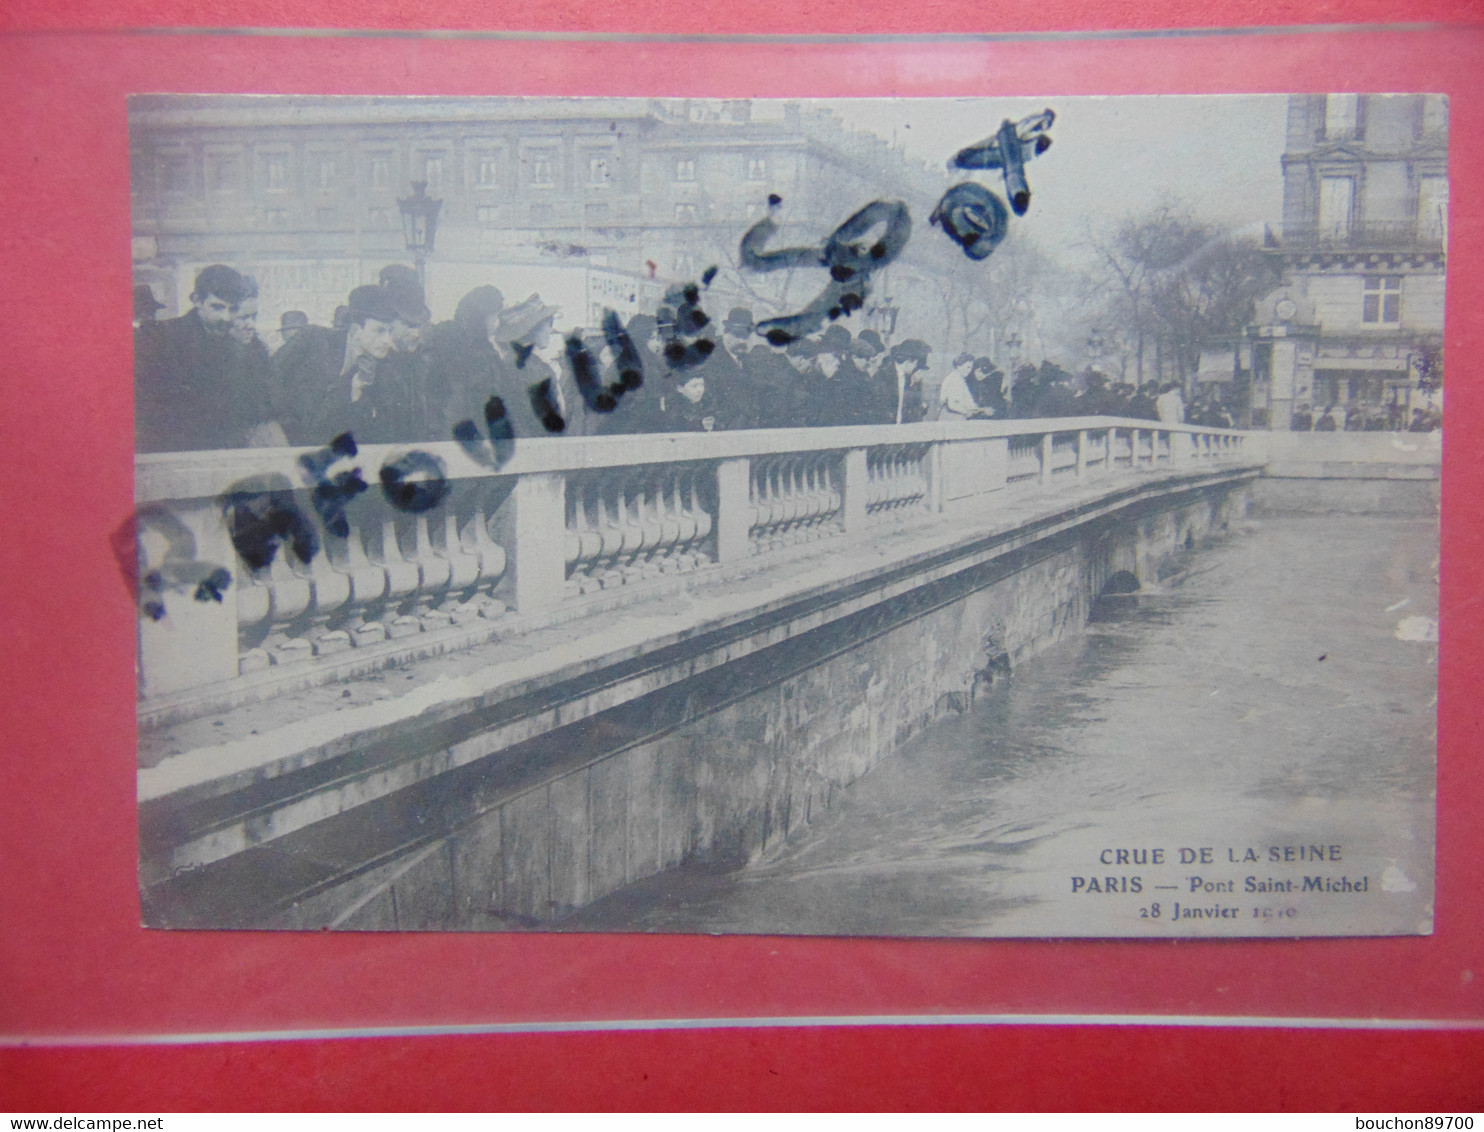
x=251, y=372
x=910, y=359
x=880, y=380
x=775, y=389
x=407, y=368
x=834, y=384
x=726, y=380
x=327, y=382
x=185, y=397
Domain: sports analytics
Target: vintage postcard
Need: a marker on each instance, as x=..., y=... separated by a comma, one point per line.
x=1006, y=517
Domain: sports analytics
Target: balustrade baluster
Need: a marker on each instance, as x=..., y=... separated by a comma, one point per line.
x=584, y=536
x=433, y=573
x=463, y=567
x=704, y=522
x=652, y=527
x=289, y=596
x=329, y=591
x=475, y=537
x=610, y=511
x=368, y=582
x=402, y=578
x=667, y=509
x=633, y=530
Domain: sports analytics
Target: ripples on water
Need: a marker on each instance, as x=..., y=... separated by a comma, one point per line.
x=1259, y=696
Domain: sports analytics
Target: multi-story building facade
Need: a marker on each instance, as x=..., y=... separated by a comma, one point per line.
x=1358, y=320
x=593, y=203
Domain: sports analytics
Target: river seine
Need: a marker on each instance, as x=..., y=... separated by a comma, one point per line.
x=1247, y=748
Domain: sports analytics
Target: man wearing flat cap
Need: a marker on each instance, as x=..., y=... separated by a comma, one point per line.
x=326, y=381
x=186, y=397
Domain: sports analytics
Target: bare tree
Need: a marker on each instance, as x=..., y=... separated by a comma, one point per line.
x=1173, y=282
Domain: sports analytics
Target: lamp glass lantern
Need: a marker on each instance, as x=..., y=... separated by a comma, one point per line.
x=419, y=222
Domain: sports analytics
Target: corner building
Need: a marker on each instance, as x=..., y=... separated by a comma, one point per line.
x=1359, y=317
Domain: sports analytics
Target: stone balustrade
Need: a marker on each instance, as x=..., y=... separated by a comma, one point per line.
x=262, y=570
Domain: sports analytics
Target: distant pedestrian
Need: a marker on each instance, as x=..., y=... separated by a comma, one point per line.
x=146, y=306
x=289, y=324
x=1169, y=406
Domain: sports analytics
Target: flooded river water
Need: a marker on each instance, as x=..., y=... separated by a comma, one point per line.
x=1246, y=750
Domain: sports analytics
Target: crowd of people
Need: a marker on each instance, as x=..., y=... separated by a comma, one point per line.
x=386, y=372
x=977, y=389
x=1354, y=417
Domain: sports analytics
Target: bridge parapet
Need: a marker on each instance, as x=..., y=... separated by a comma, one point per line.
x=359, y=582
x=571, y=606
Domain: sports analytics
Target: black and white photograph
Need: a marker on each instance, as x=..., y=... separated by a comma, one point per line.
x=993, y=517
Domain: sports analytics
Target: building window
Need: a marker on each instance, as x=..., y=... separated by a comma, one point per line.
x=1341, y=116
x=175, y=173
x=486, y=172
x=757, y=168
x=595, y=214
x=542, y=167
x=276, y=217
x=275, y=174
x=685, y=169
x=599, y=171
x=1383, y=300
x=381, y=218
x=1432, y=208
x=487, y=214
x=432, y=167
x=380, y=169
x=685, y=213
x=328, y=173
x=542, y=213
x=1336, y=198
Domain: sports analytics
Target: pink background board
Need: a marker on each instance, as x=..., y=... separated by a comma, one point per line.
x=73, y=961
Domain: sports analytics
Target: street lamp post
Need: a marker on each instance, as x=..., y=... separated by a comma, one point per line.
x=419, y=224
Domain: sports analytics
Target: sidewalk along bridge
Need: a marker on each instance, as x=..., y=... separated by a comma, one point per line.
x=605, y=656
